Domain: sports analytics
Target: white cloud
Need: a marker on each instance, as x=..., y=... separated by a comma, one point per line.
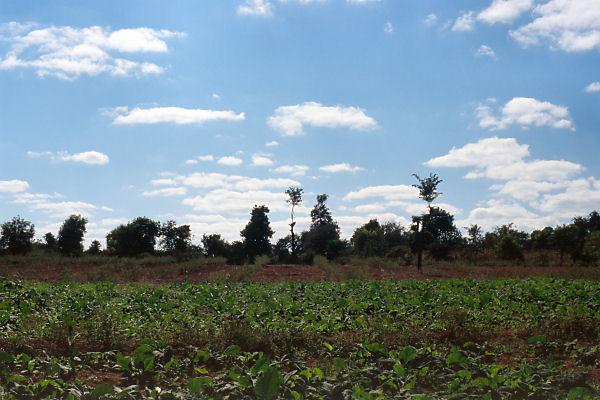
x=525, y=112
x=230, y=161
x=224, y=200
x=86, y=157
x=485, y=152
x=294, y=170
x=164, y=182
x=504, y=159
x=261, y=161
x=191, y=162
x=205, y=180
x=208, y=157
x=13, y=186
x=504, y=11
x=580, y=197
x=464, y=23
x=258, y=8
x=388, y=28
x=593, y=87
x=216, y=96
x=387, y=192
x=430, y=20
x=568, y=25
x=485, y=51
x=175, y=115
x=290, y=120
x=67, y=52
x=341, y=167
x=166, y=192
x=499, y=212
x=272, y=143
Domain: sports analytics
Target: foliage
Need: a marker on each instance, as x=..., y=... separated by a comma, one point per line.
x=133, y=239
x=175, y=239
x=214, y=245
x=50, y=241
x=508, y=248
x=294, y=199
x=16, y=236
x=257, y=233
x=70, y=236
x=356, y=339
x=95, y=248
x=323, y=237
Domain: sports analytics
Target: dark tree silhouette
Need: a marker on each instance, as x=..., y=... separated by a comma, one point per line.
x=294, y=200
x=70, y=236
x=16, y=236
x=257, y=233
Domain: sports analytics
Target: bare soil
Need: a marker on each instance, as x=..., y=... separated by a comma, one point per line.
x=173, y=272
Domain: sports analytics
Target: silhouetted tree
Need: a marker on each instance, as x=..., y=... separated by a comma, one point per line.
x=294, y=200
x=323, y=237
x=70, y=236
x=567, y=241
x=133, y=239
x=175, y=239
x=94, y=249
x=369, y=240
x=214, y=245
x=16, y=236
x=50, y=241
x=422, y=237
x=508, y=246
x=257, y=233
x=474, y=240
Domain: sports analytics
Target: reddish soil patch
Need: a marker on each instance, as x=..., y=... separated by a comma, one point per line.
x=96, y=378
x=173, y=272
x=274, y=273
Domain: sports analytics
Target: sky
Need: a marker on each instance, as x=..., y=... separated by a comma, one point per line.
x=196, y=111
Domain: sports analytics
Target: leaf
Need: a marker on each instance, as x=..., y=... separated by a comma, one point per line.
x=539, y=339
x=6, y=358
x=232, y=351
x=328, y=346
x=101, y=390
x=407, y=354
x=399, y=369
x=196, y=385
x=268, y=383
x=339, y=363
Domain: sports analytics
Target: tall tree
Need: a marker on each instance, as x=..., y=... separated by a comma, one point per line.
x=50, y=241
x=323, y=237
x=294, y=200
x=428, y=192
x=214, y=245
x=70, y=235
x=16, y=236
x=257, y=233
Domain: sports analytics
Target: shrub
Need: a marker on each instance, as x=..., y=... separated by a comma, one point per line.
x=509, y=249
x=16, y=236
x=401, y=253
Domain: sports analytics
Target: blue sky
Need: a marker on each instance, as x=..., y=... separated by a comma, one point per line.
x=197, y=110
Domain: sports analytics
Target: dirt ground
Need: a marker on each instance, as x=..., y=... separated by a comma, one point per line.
x=166, y=273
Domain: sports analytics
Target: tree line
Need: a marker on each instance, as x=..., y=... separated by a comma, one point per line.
x=432, y=234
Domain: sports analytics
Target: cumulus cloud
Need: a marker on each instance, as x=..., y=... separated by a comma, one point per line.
x=567, y=25
x=593, y=87
x=504, y=11
x=525, y=112
x=86, y=157
x=387, y=192
x=341, y=167
x=230, y=161
x=294, y=170
x=261, y=161
x=13, y=186
x=500, y=212
x=225, y=200
x=504, y=159
x=272, y=143
x=291, y=120
x=166, y=192
x=173, y=115
x=213, y=180
x=464, y=23
x=485, y=51
x=68, y=52
x=257, y=8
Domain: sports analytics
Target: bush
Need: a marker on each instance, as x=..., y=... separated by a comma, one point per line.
x=16, y=236
x=591, y=247
x=401, y=253
x=509, y=249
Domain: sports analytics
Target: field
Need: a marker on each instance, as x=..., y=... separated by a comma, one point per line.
x=365, y=339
